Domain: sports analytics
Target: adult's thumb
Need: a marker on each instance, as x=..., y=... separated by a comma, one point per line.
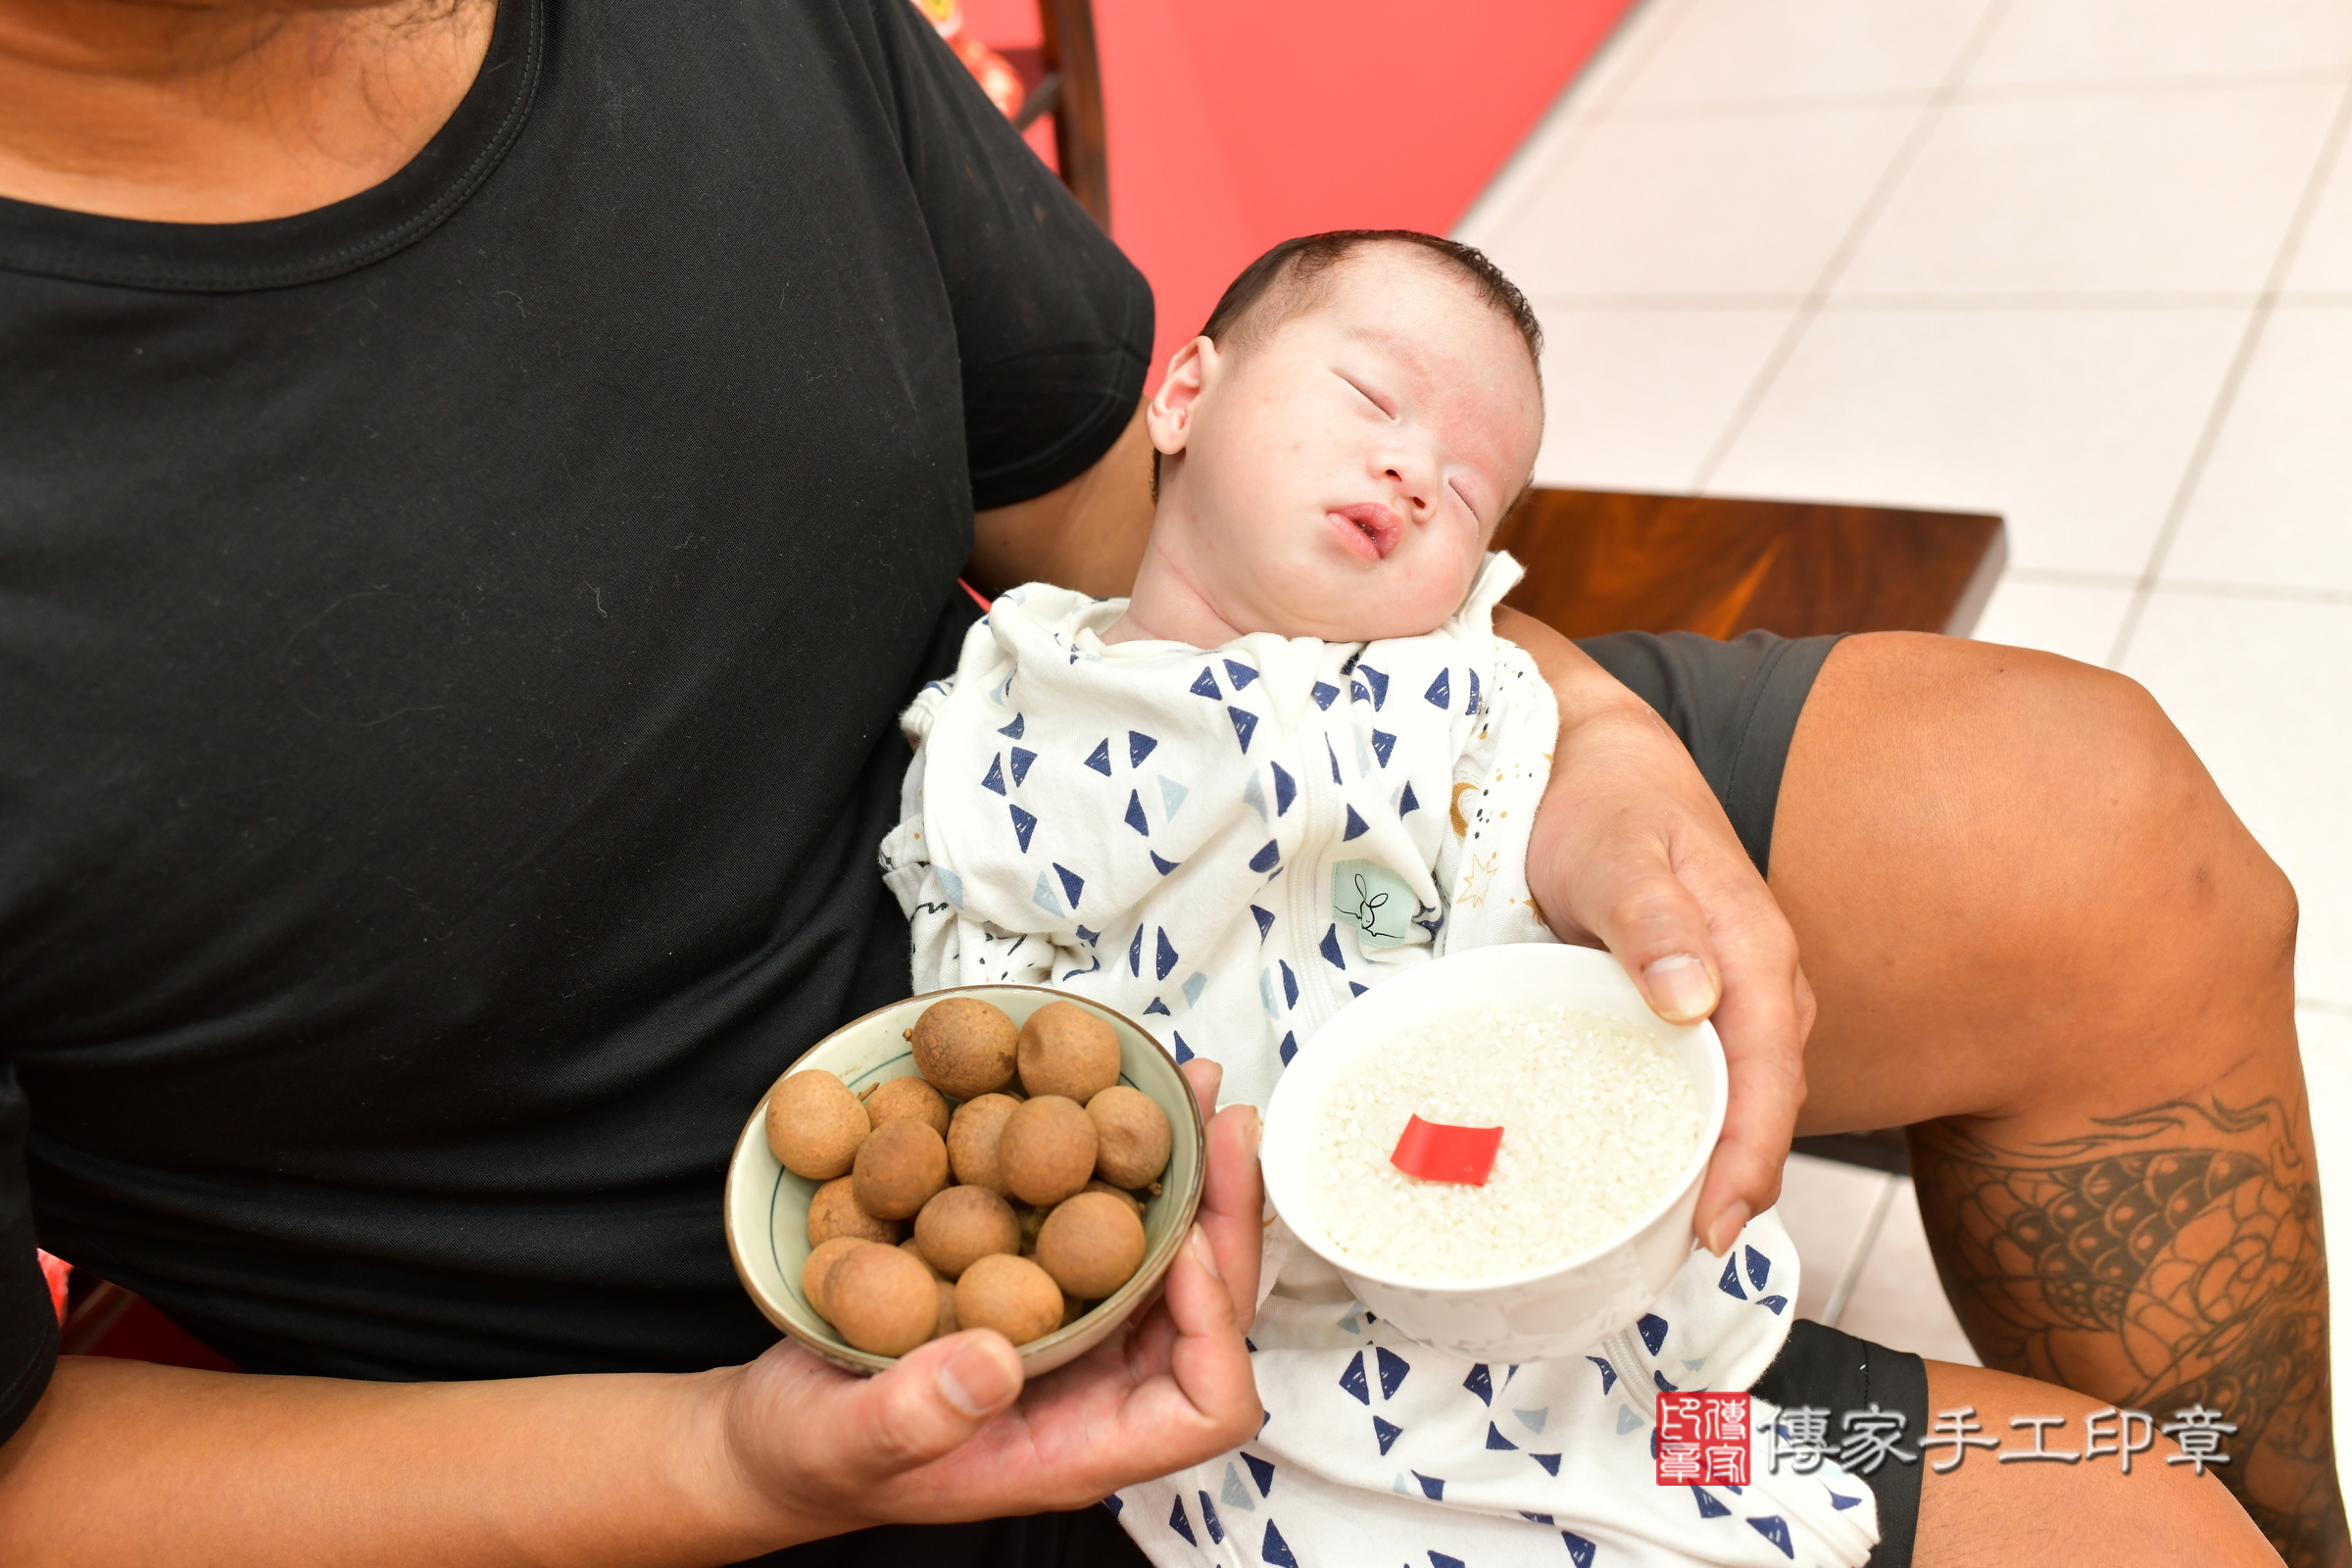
x=933, y=1400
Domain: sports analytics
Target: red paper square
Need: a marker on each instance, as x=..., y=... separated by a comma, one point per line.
x=1437, y=1153
x=1703, y=1439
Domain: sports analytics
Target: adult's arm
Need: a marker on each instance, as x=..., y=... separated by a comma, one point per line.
x=123, y=1463
x=1087, y=534
x=1632, y=851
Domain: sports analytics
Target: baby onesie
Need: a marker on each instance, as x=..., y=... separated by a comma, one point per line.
x=1227, y=845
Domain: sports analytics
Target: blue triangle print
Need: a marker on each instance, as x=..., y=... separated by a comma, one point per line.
x=1536, y=1518
x=1099, y=757
x=1480, y=1382
x=1024, y=824
x=1044, y=897
x=1114, y=1502
x=1708, y=1507
x=1608, y=1373
x=1160, y=1008
x=1013, y=731
x=1776, y=1302
x=1354, y=990
x=1387, y=1432
x=1208, y=1517
x=1135, y=953
x=1325, y=694
x=996, y=775
x=1408, y=803
x=1549, y=1461
x=1352, y=1381
x=1183, y=1525
x=1264, y=860
x=1205, y=685
x=1440, y=693
x=1628, y=1418
x=1358, y=692
x=1438, y=1559
x=1653, y=1331
x=1472, y=710
x=1431, y=1488
x=1335, y=760
x=1261, y=1471
x=1240, y=674
x=1289, y=983
x=1289, y=1047
x=1664, y=1386
x=1089, y=938
x=1772, y=1527
x=1184, y=1052
x=1286, y=790
x=1162, y=867
x=1496, y=1439
x=1020, y=765
x=1730, y=1282
x=1836, y=1499
x=1171, y=797
x=1329, y=947
x=1383, y=743
x=1357, y=827
x=1244, y=725
x=1194, y=987
x=1265, y=920
x=1136, y=818
x=1579, y=1550
x=1234, y=1495
x=1380, y=686
x=1138, y=746
x=1165, y=955
x=1759, y=1268
x=1392, y=1370
x=1276, y=1551
x=1072, y=884
x=1534, y=1420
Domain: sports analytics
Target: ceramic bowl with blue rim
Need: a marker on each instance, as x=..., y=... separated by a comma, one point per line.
x=768, y=1205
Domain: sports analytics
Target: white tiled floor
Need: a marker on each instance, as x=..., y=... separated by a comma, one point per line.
x=2085, y=262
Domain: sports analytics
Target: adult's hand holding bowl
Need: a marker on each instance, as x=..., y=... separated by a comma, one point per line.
x=948, y=1432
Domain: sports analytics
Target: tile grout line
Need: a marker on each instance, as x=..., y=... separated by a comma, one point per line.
x=1519, y=186
x=1856, y=1261
x=2224, y=398
x=1843, y=257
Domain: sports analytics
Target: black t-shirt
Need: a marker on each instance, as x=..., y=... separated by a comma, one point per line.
x=448, y=650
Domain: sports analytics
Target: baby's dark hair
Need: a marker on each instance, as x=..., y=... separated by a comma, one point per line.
x=1295, y=277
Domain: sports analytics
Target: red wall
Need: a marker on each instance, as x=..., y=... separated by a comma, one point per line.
x=1236, y=123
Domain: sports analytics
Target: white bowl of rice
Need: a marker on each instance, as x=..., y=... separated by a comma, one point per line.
x=1609, y=1115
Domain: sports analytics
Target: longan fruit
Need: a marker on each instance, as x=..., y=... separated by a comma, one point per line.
x=1072, y=1309
x=965, y=1047
x=834, y=1211
x=1066, y=1050
x=915, y=1250
x=946, y=1309
x=1010, y=1294
x=1033, y=1220
x=1132, y=1136
x=1091, y=1245
x=1121, y=1193
x=898, y=1168
x=961, y=1225
x=814, y=1272
x=1046, y=1150
x=814, y=1124
x=972, y=1137
x=894, y=1097
x=883, y=1300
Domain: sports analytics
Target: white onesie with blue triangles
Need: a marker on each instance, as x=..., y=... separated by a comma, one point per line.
x=1227, y=845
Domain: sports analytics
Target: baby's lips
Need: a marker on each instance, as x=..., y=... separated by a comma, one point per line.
x=1383, y=527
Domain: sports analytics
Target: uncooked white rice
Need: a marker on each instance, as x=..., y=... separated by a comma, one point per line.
x=1598, y=1119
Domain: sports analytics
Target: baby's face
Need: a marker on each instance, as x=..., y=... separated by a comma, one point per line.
x=1341, y=476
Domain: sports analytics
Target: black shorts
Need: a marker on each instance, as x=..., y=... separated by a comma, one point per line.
x=1735, y=705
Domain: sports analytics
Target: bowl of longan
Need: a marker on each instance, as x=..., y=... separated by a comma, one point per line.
x=990, y=1157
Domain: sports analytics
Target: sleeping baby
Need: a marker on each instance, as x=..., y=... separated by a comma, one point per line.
x=1296, y=762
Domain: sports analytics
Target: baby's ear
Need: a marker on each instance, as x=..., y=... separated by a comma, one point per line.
x=1170, y=413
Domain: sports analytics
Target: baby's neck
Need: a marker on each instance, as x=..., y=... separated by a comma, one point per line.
x=1168, y=607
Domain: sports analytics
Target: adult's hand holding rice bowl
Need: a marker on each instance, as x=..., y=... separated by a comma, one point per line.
x=1608, y=1117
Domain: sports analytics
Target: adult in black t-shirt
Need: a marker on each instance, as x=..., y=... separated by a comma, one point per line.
x=474, y=491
